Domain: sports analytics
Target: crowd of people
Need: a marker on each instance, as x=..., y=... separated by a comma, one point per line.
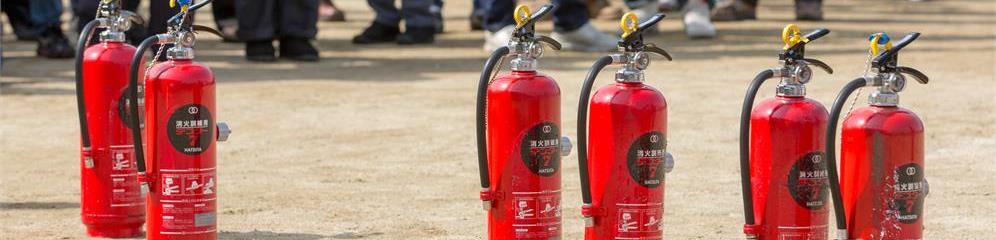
x=292, y=24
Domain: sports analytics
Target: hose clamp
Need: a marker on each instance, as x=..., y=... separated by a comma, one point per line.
x=112, y=36
x=180, y=53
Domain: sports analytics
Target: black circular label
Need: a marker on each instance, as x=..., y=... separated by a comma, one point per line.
x=908, y=200
x=190, y=129
x=807, y=181
x=541, y=149
x=645, y=159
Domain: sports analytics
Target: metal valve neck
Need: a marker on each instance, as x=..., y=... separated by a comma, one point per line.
x=634, y=63
x=888, y=87
x=794, y=75
x=183, y=46
x=524, y=54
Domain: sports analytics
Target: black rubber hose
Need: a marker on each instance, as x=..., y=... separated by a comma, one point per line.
x=136, y=123
x=583, y=126
x=482, y=94
x=85, y=34
x=838, y=204
x=745, y=143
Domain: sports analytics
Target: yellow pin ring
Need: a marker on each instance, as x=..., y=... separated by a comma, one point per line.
x=629, y=23
x=521, y=15
x=873, y=44
x=791, y=35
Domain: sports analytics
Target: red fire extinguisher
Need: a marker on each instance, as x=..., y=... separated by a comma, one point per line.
x=180, y=132
x=782, y=162
x=518, y=138
x=622, y=186
x=882, y=184
x=110, y=197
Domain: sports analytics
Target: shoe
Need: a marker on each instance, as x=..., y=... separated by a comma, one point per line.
x=53, y=44
x=733, y=10
x=229, y=29
x=298, y=49
x=330, y=13
x=586, y=39
x=260, y=51
x=437, y=14
x=495, y=40
x=417, y=35
x=477, y=20
x=377, y=33
x=808, y=10
x=696, y=20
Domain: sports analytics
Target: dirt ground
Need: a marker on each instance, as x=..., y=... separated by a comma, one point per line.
x=377, y=142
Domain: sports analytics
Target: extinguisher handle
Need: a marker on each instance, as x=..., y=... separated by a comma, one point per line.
x=817, y=34
x=822, y=65
x=888, y=58
x=916, y=74
x=549, y=41
x=133, y=17
x=202, y=28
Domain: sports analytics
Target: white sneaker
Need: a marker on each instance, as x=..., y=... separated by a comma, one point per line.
x=696, y=20
x=586, y=39
x=495, y=40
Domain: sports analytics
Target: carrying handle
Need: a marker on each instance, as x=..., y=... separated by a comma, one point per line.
x=202, y=28
x=632, y=36
x=795, y=45
x=525, y=25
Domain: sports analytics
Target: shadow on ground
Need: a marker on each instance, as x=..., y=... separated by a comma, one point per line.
x=37, y=205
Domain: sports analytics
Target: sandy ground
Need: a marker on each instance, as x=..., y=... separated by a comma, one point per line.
x=376, y=142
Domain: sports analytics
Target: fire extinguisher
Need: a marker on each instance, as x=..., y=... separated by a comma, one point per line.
x=180, y=132
x=518, y=138
x=110, y=197
x=882, y=184
x=622, y=186
x=782, y=162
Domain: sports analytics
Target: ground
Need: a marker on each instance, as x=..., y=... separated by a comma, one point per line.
x=377, y=142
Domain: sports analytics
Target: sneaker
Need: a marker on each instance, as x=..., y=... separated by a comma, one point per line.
x=696, y=20
x=586, y=39
x=417, y=35
x=260, y=51
x=377, y=33
x=298, y=49
x=733, y=10
x=808, y=10
x=328, y=12
x=477, y=20
x=495, y=40
x=53, y=44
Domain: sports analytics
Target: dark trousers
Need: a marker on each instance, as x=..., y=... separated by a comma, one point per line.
x=569, y=15
x=262, y=20
x=415, y=12
x=32, y=17
x=159, y=12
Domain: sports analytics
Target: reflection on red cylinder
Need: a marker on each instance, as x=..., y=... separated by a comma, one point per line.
x=180, y=154
x=110, y=197
x=882, y=173
x=523, y=120
x=788, y=175
x=627, y=148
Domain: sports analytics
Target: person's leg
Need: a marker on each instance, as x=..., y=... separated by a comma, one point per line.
x=159, y=13
x=298, y=25
x=45, y=16
x=735, y=10
x=19, y=14
x=498, y=21
x=575, y=33
x=86, y=11
x=384, y=28
x=477, y=15
x=224, y=18
x=437, y=14
x=420, y=24
x=257, y=28
x=809, y=10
